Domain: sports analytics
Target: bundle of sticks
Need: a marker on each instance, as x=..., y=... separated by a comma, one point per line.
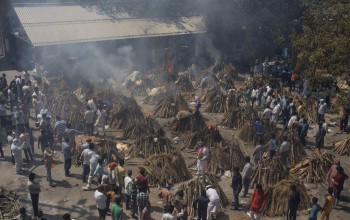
x=268, y=172
x=237, y=117
x=154, y=99
x=146, y=146
x=247, y=132
x=217, y=104
x=297, y=150
x=9, y=204
x=124, y=112
x=225, y=156
x=314, y=169
x=192, y=190
x=210, y=135
x=107, y=92
x=278, y=196
x=169, y=106
x=188, y=122
x=166, y=168
x=342, y=147
x=143, y=126
x=184, y=83
x=138, y=88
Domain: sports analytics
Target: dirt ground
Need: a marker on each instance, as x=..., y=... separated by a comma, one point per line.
x=68, y=196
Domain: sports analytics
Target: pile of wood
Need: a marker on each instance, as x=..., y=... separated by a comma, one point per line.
x=108, y=92
x=9, y=204
x=124, y=112
x=247, y=132
x=342, y=147
x=314, y=169
x=143, y=126
x=154, y=99
x=138, y=88
x=166, y=168
x=184, y=83
x=268, y=172
x=192, y=190
x=278, y=196
x=233, y=100
x=225, y=156
x=210, y=136
x=239, y=117
x=216, y=103
x=146, y=146
x=63, y=102
x=169, y=106
x=188, y=121
x=297, y=150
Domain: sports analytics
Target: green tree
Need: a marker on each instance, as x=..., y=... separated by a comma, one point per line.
x=324, y=45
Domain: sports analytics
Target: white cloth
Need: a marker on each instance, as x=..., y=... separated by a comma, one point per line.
x=101, y=118
x=213, y=207
x=292, y=120
x=247, y=170
x=322, y=109
x=267, y=114
x=284, y=146
x=127, y=181
x=92, y=105
x=25, y=140
x=100, y=199
x=87, y=155
x=212, y=194
x=168, y=216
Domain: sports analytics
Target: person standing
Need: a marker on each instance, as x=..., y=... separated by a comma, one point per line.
x=332, y=173
x=257, y=202
x=284, y=150
x=127, y=183
x=259, y=131
x=120, y=175
x=101, y=202
x=89, y=121
x=258, y=152
x=101, y=120
x=48, y=160
x=202, y=157
x=37, y=105
x=321, y=133
x=339, y=182
x=142, y=181
x=43, y=141
x=16, y=150
x=214, y=202
x=132, y=191
x=70, y=134
x=293, y=203
x=200, y=206
x=34, y=190
x=321, y=111
x=85, y=157
x=247, y=171
x=117, y=210
x=236, y=186
x=67, y=154
x=60, y=127
x=273, y=145
x=93, y=165
x=303, y=131
x=315, y=209
x=328, y=205
x=10, y=137
x=142, y=199
x=25, y=140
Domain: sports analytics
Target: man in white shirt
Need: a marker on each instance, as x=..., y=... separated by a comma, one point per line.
x=267, y=114
x=101, y=202
x=321, y=111
x=284, y=150
x=292, y=121
x=89, y=121
x=127, y=181
x=214, y=202
x=85, y=157
x=275, y=113
x=247, y=171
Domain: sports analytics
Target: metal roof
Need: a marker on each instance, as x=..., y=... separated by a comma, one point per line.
x=66, y=24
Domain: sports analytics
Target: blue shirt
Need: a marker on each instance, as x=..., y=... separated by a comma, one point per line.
x=259, y=127
x=314, y=211
x=67, y=151
x=304, y=128
x=273, y=145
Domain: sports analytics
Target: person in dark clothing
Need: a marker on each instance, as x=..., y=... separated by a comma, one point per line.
x=293, y=203
x=43, y=141
x=201, y=205
x=303, y=131
x=236, y=187
x=321, y=133
x=344, y=119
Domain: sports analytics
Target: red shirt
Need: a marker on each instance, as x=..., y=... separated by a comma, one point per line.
x=142, y=183
x=340, y=179
x=258, y=201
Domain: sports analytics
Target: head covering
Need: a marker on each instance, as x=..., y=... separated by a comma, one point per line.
x=208, y=186
x=112, y=165
x=200, y=144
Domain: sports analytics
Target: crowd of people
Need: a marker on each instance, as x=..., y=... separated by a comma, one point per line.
x=117, y=186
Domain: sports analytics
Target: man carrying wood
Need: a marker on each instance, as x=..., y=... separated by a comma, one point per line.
x=202, y=157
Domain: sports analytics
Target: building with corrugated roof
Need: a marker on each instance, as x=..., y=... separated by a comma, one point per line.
x=44, y=31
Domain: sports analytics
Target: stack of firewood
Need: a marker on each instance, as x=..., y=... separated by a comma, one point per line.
x=210, y=135
x=314, y=169
x=166, y=168
x=342, y=147
x=188, y=122
x=146, y=146
x=9, y=204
